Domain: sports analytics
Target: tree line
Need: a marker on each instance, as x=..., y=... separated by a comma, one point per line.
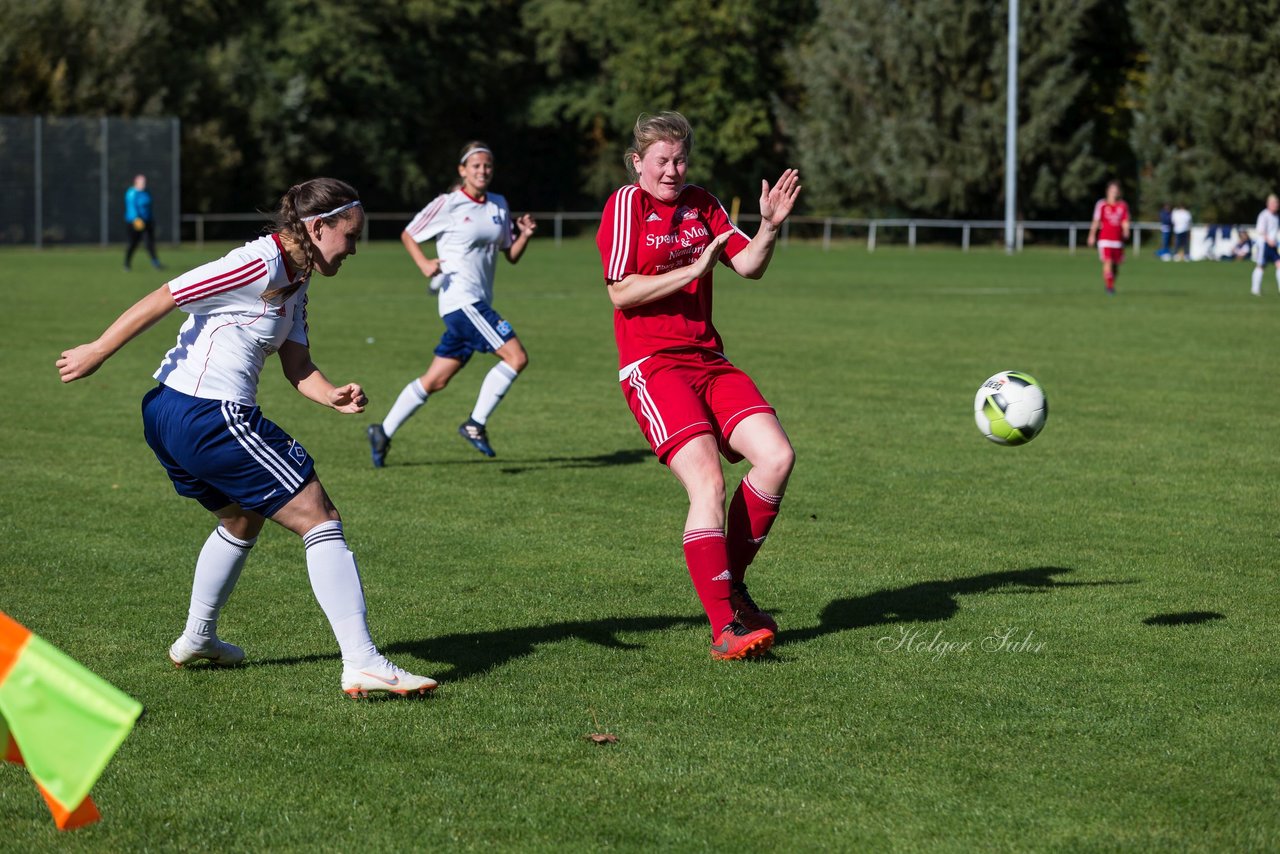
x=888, y=108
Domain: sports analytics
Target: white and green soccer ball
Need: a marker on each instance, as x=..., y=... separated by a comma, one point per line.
x=1010, y=408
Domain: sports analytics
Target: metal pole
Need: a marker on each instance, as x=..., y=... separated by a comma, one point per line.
x=911, y=235
x=559, y=228
x=1011, y=132
x=104, y=186
x=39, y=220
x=200, y=231
x=826, y=234
x=1137, y=242
x=871, y=237
x=786, y=231
x=1071, y=240
x=964, y=237
x=175, y=132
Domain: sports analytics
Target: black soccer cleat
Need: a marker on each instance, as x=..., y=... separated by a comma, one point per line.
x=473, y=431
x=379, y=444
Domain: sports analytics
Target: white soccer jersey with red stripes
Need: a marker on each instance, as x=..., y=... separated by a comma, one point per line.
x=233, y=328
x=469, y=234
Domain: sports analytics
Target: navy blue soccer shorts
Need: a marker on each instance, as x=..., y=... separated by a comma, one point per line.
x=221, y=453
x=1265, y=254
x=474, y=328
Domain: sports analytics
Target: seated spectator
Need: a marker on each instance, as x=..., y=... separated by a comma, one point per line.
x=1243, y=250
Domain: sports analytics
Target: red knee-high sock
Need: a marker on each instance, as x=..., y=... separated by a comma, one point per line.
x=751, y=515
x=1110, y=279
x=707, y=556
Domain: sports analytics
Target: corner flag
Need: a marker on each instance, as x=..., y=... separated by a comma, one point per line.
x=60, y=720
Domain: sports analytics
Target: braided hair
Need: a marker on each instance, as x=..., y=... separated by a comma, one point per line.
x=308, y=199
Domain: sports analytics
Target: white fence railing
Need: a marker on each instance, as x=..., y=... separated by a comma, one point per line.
x=875, y=228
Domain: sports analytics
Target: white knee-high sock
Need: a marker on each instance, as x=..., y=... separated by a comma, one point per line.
x=335, y=580
x=217, y=570
x=495, y=385
x=410, y=401
x=1278, y=277
x=1257, y=279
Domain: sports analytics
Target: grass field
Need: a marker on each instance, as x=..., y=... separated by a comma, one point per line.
x=1127, y=556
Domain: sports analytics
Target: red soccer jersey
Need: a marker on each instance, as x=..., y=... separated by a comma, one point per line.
x=1111, y=219
x=640, y=234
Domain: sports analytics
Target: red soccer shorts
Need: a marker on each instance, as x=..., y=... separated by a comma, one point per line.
x=678, y=395
x=1115, y=254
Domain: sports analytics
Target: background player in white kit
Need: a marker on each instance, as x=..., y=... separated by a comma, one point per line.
x=205, y=427
x=470, y=226
x=1265, y=235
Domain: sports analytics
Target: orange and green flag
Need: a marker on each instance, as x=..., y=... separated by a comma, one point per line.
x=60, y=720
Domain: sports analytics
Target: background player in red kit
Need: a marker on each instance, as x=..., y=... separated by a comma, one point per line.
x=1110, y=229
x=659, y=240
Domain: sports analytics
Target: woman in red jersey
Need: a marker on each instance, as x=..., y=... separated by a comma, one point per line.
x=659, y=240
x=1108, y=231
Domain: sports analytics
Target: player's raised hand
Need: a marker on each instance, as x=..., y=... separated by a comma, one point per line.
x=527, y=224
x=78, y=362
x=776, y=202
x=349, y=398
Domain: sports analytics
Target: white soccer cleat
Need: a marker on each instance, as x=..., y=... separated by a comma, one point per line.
x=384, y=677
x=218, y=652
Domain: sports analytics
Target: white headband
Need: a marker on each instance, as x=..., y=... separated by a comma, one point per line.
x=348, y=206
x=479, y=149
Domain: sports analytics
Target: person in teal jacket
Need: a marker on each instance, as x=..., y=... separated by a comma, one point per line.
x=137, y=213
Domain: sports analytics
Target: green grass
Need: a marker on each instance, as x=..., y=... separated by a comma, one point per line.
x=546, y=588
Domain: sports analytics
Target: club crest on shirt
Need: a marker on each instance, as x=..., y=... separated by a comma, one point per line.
x=684, y=213
x=297, y=452
x=504, y=328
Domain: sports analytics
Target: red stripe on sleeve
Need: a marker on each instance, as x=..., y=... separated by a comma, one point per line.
x=423, y=218
x=221, y=284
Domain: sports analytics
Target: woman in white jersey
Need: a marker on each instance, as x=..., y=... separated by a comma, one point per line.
x=1267, y=248
x=470, y=226
x=205, y=427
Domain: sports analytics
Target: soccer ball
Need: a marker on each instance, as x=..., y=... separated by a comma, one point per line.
x=1010, y=408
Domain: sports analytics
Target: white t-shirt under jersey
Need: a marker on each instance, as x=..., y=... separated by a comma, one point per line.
x=232, y=328
x=468, y=235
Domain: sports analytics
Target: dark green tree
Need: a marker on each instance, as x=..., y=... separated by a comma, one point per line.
x=720, y=63
x=902, y=107
x=1208, y=106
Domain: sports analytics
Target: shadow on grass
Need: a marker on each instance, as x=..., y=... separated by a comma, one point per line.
x=625, y=457
x=929, y=601
x=1185, y=618
x=471, y=653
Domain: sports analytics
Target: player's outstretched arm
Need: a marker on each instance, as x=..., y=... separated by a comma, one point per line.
x=295, y=361
x=79, y=362
x=776, y=204
x=1093, y=233
x=430, y=267
x=527, y=226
